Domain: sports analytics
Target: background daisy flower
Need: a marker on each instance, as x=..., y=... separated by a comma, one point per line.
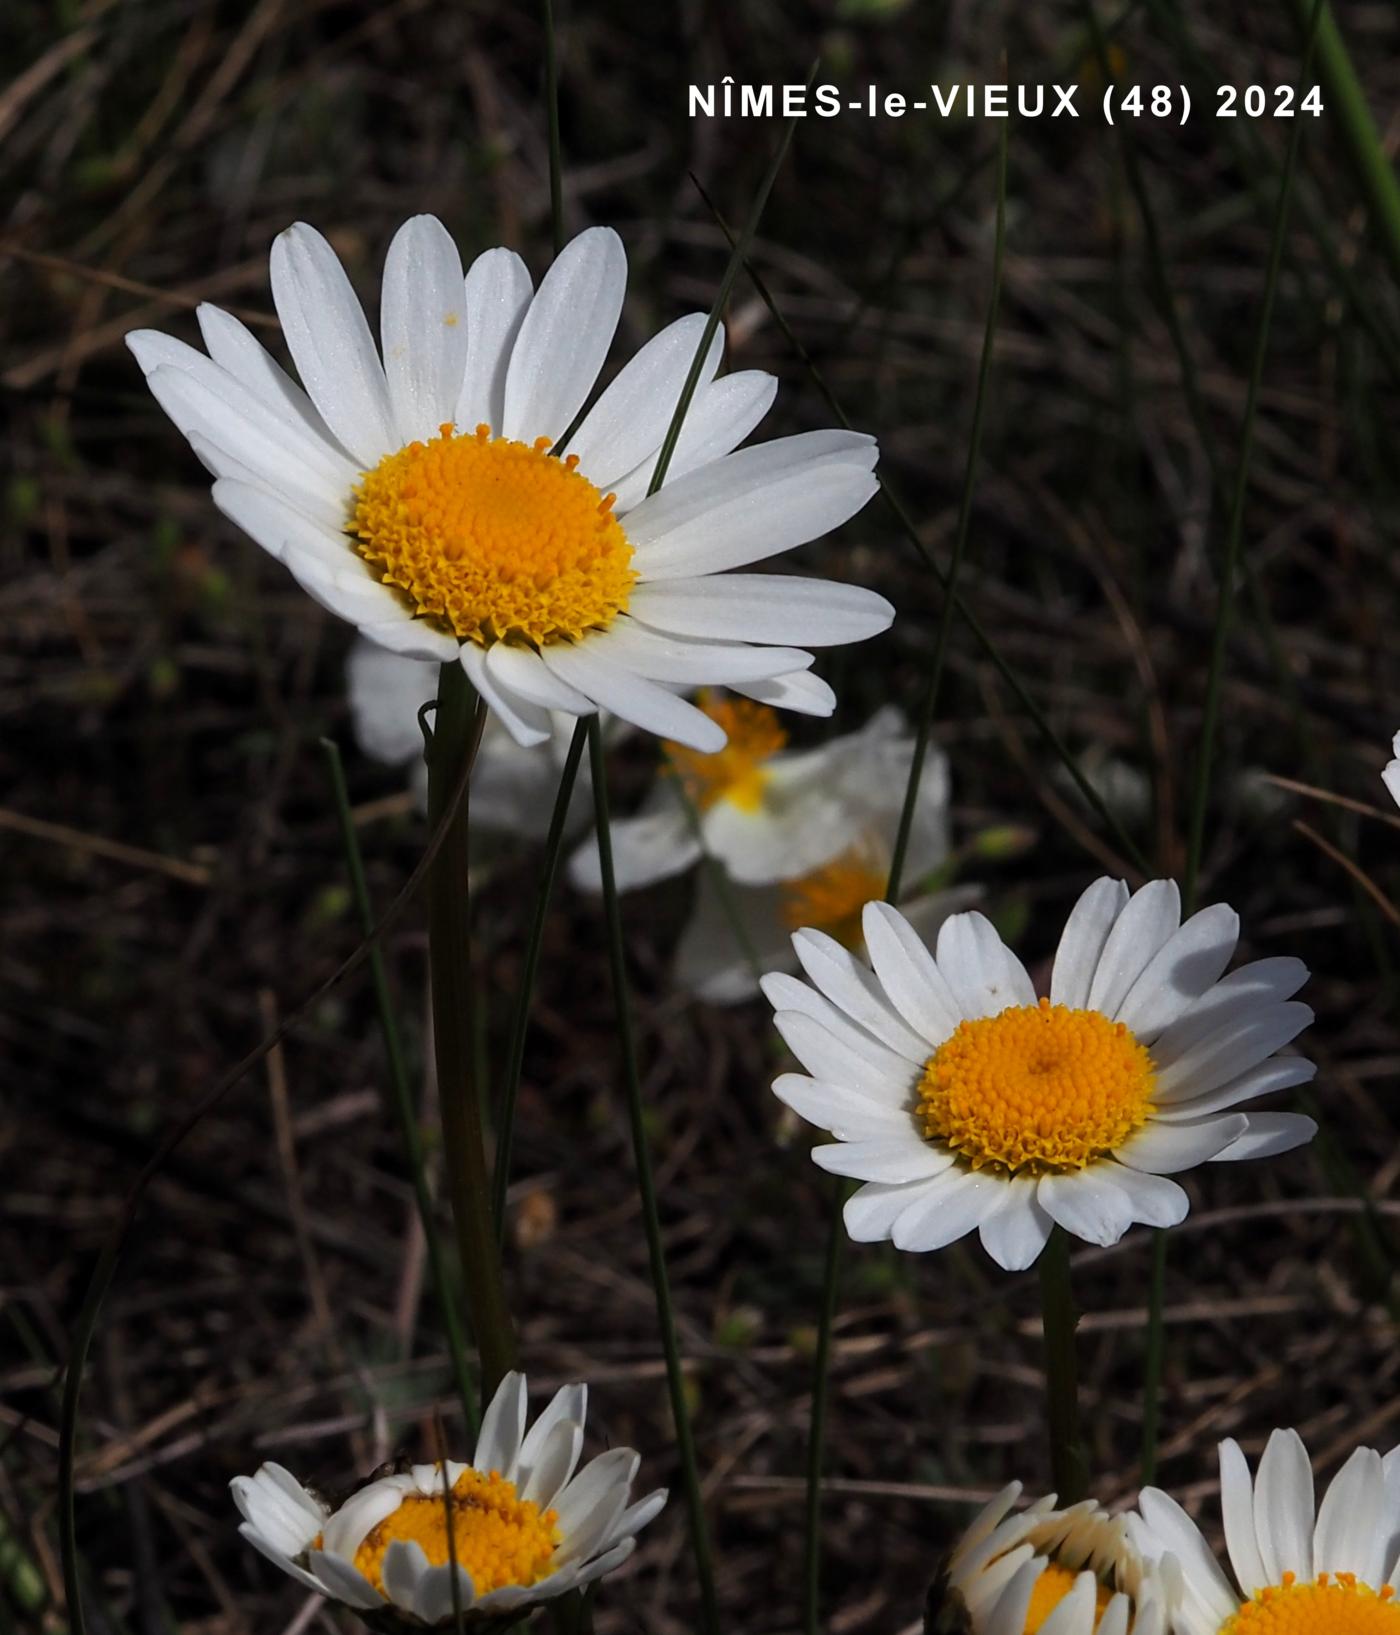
x=417, y=496
x=1052, y=1572
x=1299, y=1569
x=525, y=1528
x=963, y=1101
x=1392, y=771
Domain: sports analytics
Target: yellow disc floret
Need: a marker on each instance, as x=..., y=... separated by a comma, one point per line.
x=1331, y=1604
x=497, y=1537
x=1038, y=1089
x=1053, y=1585
x=735, y=773
x=831, y=898
x=493, y=540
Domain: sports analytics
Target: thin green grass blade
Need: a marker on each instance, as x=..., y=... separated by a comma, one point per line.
x=400, y=1095
x=646, y=1190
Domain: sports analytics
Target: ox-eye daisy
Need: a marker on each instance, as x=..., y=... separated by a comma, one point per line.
x=964, y=1102
x=1391, y=774
x=1299, y=1568
x=1049, y=1572
x=525, y=1528
x=421, y=499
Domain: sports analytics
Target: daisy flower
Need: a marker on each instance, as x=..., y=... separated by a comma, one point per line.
x=963, y=1101
x=513, y=787
x=525, y=1528
x=418, y=497
x=1298, y=1569
x=1050, y=1572
x=767, y=812
x=805, y=839
x=1391, y=774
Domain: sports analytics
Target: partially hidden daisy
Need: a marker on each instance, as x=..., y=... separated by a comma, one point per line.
x=1298, y=1568
x=454, y=503
x=963, y=1101
x=1043, y=1571
x=1391, y=775
x=525, y=1527
x=814, y=852
x=513, y=785
x=765, y=811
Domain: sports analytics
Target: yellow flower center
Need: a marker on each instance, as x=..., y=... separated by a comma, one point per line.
x=831, y=898
x=1038, y=1089
x=497, y=1537
x=735, y=773
x=1053, y=1585
x=1332, y=1604
x=494, y=540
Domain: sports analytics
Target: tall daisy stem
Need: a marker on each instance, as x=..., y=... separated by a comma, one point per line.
x=646, y=1188
x=456, y=734
x=1059, y=1318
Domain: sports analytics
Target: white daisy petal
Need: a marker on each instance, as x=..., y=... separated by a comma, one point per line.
x=847, y=1114
x=630, y=420
x=762, y=607
x=554, y=1464
x=1150, y=916
x=403, y=1568
x=1269, y=1134
x=502, y=1427
x=265, y=1547
x=1087, y=1204
x=846, y=1059
x=523, y=719
x=852, y=986
x=1283, y=1508
x=982, y=972
x=648, y=848
x=564, y=337
x=721, y=415
x=1351, y=1530
x=1172, y=1530
x=1018, y=1229
x=632, y=698
x=522, y=672
x=681, y=660
x=1253, y=987
x=423, y=326
x=342, y=1581
x=1237, y=1512
x=1165, y=1149
x=1278, y=1073
x=330, y=343
x=871, y=1212
x=952, y=1205
x=752, y=504
x=434, y=1602
x=498, y=290
x=1155, y=1200
x=236, y=350
x=1233, y=1048
x=1183, y=969
x=894, y=1160
x=1082, y=941
x=909, y=974
x=802, y=692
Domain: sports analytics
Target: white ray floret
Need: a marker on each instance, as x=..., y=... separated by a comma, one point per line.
x=412, y=488
x=528, y=1524
x=1296, y=1565
x=964, y=1103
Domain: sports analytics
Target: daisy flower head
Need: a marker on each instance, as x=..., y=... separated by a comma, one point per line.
x=964, y=1102
x=1298, y=1568
x=1044, y=1571
x=451, y=501
x=513, y=785
x=524, y=1526
x=1391, y=775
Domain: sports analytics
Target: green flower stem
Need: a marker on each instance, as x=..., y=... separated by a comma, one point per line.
x=520, y=1016
x=456, y=734
x=646, y=1189
x=1346, y=104
x=400, y=1097
x=1061, y=1371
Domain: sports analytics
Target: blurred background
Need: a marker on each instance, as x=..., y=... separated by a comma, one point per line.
x=173, y=884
